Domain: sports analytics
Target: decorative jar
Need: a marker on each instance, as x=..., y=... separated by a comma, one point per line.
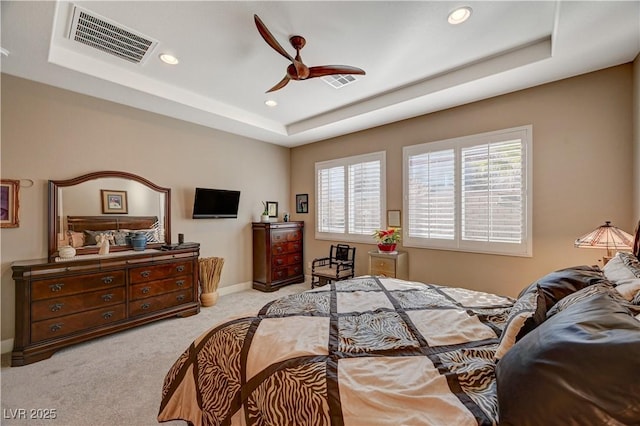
x=66, y=252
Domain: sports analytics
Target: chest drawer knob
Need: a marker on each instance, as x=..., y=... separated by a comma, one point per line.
x=180, y=283
x=145, y=274
x=180, y=298
x=180, y=268
x=146, y=290
x=55, y=327
x=107, y=280
x=107, y=297
x=107, y=315
x=56, y=287
x=145, y=306
x=56, y=307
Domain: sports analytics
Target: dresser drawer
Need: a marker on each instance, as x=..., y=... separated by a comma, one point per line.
x=386, y=267
x=62, y=326
x=287, y=247
x=278, y=236
x=64, y=286
x=144, y=290
x=286, y=272
x=151, y=273
x=60, y=306
x=152, y=304
x=286, y=259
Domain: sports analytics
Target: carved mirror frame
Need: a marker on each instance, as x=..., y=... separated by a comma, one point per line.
x=54, y=222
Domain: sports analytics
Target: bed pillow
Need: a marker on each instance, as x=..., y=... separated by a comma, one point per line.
x=527, y=313
x=76, y=239
x=558, y=284
x=604, y=287
x=623, y=270
x=575, y=367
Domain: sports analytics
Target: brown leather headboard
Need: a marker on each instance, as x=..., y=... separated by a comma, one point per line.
x=106, y=223
x=636, y=242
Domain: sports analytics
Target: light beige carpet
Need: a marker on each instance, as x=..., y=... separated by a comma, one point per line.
x=114, y=380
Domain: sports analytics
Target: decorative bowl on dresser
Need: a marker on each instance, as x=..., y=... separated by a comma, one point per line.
x=63, y=301
x=277, y=254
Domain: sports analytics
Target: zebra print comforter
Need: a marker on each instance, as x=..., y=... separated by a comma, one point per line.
x=366, y=351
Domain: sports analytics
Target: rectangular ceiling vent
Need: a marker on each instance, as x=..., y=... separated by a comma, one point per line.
x=339, y=80
x=108, y=36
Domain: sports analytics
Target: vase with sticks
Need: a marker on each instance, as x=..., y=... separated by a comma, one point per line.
x=210, y=270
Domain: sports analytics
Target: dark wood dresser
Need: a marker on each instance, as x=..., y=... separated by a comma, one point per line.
x=62, y=303
x=277, y=254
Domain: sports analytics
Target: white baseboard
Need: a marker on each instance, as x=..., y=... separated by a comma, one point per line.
x=234, y=288
x=7, y=346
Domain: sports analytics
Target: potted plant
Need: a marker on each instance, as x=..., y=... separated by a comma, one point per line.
x=387, y=239
x=265, y=213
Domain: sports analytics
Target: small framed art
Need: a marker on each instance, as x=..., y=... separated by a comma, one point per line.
x=302, y=203
x=393, y=218
x=272, y=208
x=114, y=202
x=9, y=203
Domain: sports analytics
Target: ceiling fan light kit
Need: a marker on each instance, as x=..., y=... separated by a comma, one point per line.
x=297, y=70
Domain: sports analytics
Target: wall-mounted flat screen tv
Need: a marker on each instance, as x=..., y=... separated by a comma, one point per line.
x=215, y=203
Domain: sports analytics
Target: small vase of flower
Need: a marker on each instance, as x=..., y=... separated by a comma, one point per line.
x=387, y=239
x=265, y=213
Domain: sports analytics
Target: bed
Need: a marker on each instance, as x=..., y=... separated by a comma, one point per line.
x=382, y=351
x=82, y=230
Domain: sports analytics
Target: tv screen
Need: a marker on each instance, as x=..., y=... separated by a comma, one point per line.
x=215, y=203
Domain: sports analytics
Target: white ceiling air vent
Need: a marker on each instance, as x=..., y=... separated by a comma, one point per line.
x=339, y=80
x=108, y=36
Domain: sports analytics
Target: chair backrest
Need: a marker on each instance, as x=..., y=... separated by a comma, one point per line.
x=342, y=253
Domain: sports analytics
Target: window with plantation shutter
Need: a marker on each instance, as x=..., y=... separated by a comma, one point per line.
x=350, y=197
x=471, y=193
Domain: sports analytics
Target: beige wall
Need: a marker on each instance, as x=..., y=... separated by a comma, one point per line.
x=582, y=174
x=48, y=133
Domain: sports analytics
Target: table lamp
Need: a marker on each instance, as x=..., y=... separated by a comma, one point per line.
x=606, y=237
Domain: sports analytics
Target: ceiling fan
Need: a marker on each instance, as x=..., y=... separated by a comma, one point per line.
x=298, y=70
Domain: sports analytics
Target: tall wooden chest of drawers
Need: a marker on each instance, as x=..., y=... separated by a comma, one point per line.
x=62, y=303
x=277, y=254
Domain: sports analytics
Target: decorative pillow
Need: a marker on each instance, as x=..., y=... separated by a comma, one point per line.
x=563, y=282
x=527, y=313
x=151, y=234
x=90, y=236
x=120, y=238
x=576, y=367
x=598, y=288
x=76, y=239
x=623, y=270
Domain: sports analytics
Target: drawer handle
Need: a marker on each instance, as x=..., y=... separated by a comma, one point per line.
x=279, y=261
x=180, y=298
x=55, y=327
x=107, y=297
x=180, y=283
x=146, y=290
x=107, y=315
x=145, y=306
x=56, y=287
x=145, y=274
x=180, y=268
x=56, y=307
x=107, y=280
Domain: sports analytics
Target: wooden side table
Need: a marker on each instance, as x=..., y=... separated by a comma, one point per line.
x=389, y=265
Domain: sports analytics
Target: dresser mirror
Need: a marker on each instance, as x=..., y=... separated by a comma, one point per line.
x=116, y=204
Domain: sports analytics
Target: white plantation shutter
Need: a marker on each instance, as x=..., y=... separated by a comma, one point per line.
x=364, y=197
x=350, y=197
x=492, y=192
x=331, y=200
x=471, y=193
x=431, y=190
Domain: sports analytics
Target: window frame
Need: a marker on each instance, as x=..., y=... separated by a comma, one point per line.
x=525, y=248
x=346, y=162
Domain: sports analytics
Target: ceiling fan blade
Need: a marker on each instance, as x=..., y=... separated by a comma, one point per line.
x=280, y=85
x=333, y=69
x=270, y=39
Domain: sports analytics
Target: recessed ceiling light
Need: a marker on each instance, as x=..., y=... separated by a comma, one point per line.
x=168, y=59
x=459, y=15
x=270, y=103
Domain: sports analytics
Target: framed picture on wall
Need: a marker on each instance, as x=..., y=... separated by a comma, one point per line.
x=9, y=203
x=302, y=203
x=393, y=218
x=114, y=201
x=272, y=208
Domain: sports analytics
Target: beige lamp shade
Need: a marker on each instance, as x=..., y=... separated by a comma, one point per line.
x=606, y=237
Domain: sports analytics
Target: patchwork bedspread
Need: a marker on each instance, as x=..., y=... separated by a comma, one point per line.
x=366, y=351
